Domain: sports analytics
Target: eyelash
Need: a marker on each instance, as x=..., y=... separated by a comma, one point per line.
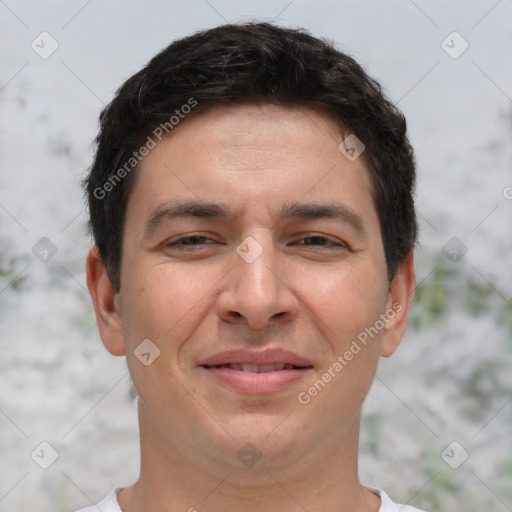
x=177, y=244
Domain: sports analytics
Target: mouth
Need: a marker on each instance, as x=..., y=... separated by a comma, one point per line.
x=259, y=368
x=257, y=372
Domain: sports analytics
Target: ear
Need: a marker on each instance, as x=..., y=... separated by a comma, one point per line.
x=398, y=305
x=106, y=304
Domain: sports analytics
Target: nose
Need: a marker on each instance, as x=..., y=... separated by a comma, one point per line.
x=258, y=292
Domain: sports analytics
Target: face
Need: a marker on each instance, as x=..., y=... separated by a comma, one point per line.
x=253, y=262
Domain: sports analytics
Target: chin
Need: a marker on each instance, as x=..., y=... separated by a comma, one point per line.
x=256, y=442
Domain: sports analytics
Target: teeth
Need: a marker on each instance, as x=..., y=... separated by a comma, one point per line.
x=264, y=368
x=255, y=368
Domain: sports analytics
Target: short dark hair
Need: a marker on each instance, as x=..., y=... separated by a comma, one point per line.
x=243, y=64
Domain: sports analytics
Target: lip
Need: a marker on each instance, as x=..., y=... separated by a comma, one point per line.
x=256, y=383
x=268, y=356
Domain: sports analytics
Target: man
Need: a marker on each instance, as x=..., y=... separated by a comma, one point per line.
x=251, y=202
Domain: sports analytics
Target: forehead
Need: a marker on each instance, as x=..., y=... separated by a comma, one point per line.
x=253, y=157
x=263, y=136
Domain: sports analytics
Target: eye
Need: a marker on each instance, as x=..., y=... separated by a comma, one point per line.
x=321, y=241
x=198, y=241
x=188, y=241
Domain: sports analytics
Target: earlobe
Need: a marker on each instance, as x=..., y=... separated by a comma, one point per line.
x=106, y=304
x=401, y=294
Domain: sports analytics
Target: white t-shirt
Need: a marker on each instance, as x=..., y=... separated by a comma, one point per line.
x=109, y=504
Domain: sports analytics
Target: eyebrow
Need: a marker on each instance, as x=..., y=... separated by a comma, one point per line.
x=307, y=211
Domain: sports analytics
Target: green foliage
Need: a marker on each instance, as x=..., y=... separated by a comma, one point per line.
x=85, y=320
x=431, y=295
x=448, y=487
x=57, y=492
x=480, y=386
x=505, y=317
x=371, y=433
x=438, y=290
x=8, y=277
x=477, y=297
x=505, y=476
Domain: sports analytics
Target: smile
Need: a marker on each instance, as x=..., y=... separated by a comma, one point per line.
x=256, y=372
x=255, y=368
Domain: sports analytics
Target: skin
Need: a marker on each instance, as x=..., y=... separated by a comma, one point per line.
x=303, y=294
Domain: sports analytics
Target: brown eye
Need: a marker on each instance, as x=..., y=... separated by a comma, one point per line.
x=188, y=241
x=320, y=241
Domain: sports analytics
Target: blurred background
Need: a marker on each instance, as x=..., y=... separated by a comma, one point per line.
x=437, y=426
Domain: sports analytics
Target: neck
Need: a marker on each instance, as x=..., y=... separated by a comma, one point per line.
x=172, y=479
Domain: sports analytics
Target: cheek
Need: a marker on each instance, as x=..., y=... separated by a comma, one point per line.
x=349, y=302
x=162, y=302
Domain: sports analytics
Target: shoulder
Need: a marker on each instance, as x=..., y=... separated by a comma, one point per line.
x=107, y=504
x=390, y=506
